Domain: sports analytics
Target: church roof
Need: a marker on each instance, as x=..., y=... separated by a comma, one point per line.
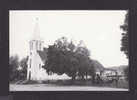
x=43, y=54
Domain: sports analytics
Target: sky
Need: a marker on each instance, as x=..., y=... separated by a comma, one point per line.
x=99, y=30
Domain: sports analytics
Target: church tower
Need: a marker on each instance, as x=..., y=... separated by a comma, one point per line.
x=34, y=61
x=36, y=43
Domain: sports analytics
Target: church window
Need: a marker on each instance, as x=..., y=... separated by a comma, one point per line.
x=39, y=66
x=40, y=46
x=36, y=45
x=30, y=63
x=31, y=45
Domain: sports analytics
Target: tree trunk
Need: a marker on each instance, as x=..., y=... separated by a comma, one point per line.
x=82, y=77
x=93, y=79
x=73, y=77
x=86, y=75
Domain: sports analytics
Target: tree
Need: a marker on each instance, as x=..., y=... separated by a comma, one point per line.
x=61, y=58
x=13, y=65
x=66, y=57
x=124, y=40
x=17, y=69
x=54, y=62
x=23, y=68
x=126, y=72
x=84, y=60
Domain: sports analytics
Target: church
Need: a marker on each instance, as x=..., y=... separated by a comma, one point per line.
x=38, y=57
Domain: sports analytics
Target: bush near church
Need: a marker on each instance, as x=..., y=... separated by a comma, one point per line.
x=17, y=69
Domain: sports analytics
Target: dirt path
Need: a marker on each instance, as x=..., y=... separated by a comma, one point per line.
x=45, y=87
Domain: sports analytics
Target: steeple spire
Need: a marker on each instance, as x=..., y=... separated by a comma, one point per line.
x=36, y=32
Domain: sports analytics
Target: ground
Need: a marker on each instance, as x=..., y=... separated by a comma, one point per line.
x=48, y=87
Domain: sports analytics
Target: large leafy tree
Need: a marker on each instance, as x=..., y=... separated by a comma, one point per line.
x=124, y=40
x=84, y=60
x=66, y=57
x=61, y=58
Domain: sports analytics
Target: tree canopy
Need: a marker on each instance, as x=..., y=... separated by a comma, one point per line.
x=23, y=68
x=13, y=65
x=124, y=40
x=17, y=69
x=66, y=57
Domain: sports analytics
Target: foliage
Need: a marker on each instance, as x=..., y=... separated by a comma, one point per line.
x=126, y=72
x=125, y=43
x=13, y=65
x=23, y=68
x=124, y=40
x=65, y=57
x=17, y=69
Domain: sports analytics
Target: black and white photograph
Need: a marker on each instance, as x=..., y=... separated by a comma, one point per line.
x=68, y=50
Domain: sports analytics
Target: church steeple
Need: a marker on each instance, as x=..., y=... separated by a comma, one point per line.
x=36, y=43
x=36, y=32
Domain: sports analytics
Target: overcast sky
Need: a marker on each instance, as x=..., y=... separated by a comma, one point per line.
x=100, y=31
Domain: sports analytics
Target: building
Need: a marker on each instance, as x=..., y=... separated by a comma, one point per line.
x=37, y=55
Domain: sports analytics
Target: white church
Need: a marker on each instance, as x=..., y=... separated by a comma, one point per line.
x=38, y=57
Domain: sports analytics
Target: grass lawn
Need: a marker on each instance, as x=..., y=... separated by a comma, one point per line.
x=88, y=82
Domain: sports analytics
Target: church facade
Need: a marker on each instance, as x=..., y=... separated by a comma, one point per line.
x=37, y=56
